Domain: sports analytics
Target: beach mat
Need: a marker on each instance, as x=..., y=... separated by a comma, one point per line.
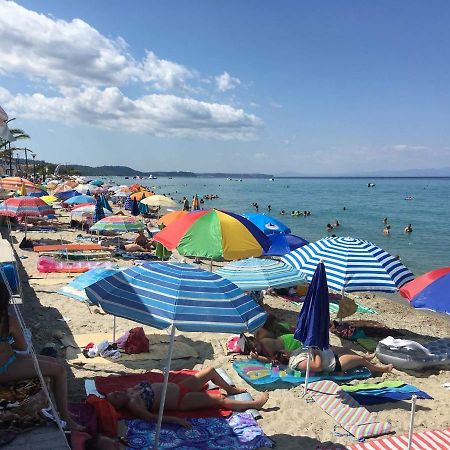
x=240, y=431
x=69, y=247
x=373, y=328
x=346, y=411
x=368, y=344
x=430, y=440
x=105, y=385
x=257, y=374
x=158, y=350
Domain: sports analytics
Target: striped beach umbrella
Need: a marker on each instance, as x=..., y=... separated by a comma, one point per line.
x=25, y=207
x=78, y=199
x=352, y=265
x=430, y=291
x=180, y=296
x=255, y=274
x=168, y=218
x=128, y=204
x=118, y=223
x=15, y=183
x=65, y=187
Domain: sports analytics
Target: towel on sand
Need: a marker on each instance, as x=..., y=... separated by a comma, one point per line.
x=238, y=432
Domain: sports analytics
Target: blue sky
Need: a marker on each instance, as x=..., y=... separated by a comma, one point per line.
x=320, y=87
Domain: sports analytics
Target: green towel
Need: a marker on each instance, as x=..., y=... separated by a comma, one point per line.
x=334, y=308
x=366, y=386
x=368, y=344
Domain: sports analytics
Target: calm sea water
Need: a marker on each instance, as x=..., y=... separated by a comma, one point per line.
x=427, y=248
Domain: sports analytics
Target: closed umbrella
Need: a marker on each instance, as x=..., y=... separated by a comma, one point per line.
x=255, y=274
x=135, y=208
x=99, y=213
x=104, y=202
x=178, y=296
x=430, y=291
x=214, y=234
x=314, y=318
x=128, y=204
x=266, y=223
x=143, y=209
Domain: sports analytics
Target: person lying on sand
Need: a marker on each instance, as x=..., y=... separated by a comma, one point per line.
x=14, y=366
x=334, y=359
x=266, y=349
x=142, y=401
x=142, y=241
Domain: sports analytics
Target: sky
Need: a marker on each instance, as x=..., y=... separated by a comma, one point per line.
x=320, y=87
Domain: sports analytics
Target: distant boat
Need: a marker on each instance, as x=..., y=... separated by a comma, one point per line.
x=370, y=184
x=272, y=179
x=408, y=198
x=151, y=177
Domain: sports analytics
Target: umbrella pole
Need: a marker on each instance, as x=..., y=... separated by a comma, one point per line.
x=164, y=390
x=114, y=329
x=26, y=226
x=211, y=265
x=411, y=422
x=308, y=364
x=342, y=301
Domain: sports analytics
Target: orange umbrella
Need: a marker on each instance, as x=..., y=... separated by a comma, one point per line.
x=140, y=195
x=171, y=217
x=65, y=187
x=15, y=183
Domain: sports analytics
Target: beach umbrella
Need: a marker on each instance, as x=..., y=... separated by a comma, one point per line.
x=97, y=182
x=25, y=207
x=118, y=223
x=267, y=224
x=85, y=189
x=159, y=201
x=255, y=274
x=49, y=199
x=22, y=191
x=135, y=208
x=430, y=291
x=136, y=187
x=140, y=195
x=352, y=265
x=168, y=218
x=214, y=234
x=40, y=193
x=281, y=243
x=178, y=296
x=66, y=194
x=313, y=322
x=104, y=202
x=99, y=213
x=64, y=187
x=15, y=183
x=143, y=209
x=77, y=199
x=128, y=204
x=120, y=194
x=87, y=210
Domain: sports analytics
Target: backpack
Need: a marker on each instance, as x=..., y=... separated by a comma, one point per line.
x=136, y=341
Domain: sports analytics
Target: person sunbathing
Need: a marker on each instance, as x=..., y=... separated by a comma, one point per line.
x=334, y=359
x=17, y=366
x=266, y=348
x=142, y=401
x=143, y=241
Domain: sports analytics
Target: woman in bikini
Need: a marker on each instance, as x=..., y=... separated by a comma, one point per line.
x=18, y=366
x=142, y=401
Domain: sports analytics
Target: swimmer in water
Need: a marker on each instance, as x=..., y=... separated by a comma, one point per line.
x=408, y=229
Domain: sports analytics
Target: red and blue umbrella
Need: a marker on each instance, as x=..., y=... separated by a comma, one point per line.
x=25, y=207
x=430, y=291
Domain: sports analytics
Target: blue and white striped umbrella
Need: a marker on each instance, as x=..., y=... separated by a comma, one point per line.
x=163, y=294
x=352, y=265
x=254, y=274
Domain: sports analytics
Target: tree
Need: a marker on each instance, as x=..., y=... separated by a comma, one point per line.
x=6, y=153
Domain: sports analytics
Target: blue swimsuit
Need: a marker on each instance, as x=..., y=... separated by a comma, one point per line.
x=4, y=367
x=147, y=394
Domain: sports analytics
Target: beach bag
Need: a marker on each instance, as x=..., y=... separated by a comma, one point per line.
x=233, y=344
x=137, y=341
x=246, y=344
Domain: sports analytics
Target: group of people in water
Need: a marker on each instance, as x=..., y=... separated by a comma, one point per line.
x=196, y=201
x=297, y=213
x=387, y=228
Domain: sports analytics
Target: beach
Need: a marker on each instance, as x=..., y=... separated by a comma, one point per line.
x=287, y=418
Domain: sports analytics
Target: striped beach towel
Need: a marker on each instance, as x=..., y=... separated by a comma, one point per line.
x=424, y=440
x=347, y=412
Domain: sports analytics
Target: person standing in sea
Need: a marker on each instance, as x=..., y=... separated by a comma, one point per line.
x=186, y=204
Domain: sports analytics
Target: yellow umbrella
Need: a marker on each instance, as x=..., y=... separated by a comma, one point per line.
x=49, y=199
x=159, y=200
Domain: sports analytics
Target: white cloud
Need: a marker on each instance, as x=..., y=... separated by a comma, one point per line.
x=157, y=114
x=261, y=155
x=275, y=105
x=406, y=147
x=226, y=82
x=74, y=53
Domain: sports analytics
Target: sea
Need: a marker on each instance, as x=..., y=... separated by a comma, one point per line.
x=422, y=202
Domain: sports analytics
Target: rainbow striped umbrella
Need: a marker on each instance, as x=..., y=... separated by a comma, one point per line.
x=214, y=234
x=25, y=207
x=119, y=224
x=15, y=183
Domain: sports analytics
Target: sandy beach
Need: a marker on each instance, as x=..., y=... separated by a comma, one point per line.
x=288, y=419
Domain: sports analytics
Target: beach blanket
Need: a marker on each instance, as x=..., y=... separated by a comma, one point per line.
x=346, y=411
x=368, y=344
x=383, y=392
x=158, y=351
x=257, y=374
x=432, y=439
x=70, y=247
x=238, y=432
x=113, y=383
x=136, y=255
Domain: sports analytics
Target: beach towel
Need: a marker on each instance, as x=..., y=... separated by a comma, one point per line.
x=238, y=432
x=383, y=392
x=105, y=385
x=346, y=411
x=257, y=374
x=430, y=439
x=334, y=307
x=368, y=344
x=136, y=255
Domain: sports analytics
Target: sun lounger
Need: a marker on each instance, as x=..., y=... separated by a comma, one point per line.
x=257, y=374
